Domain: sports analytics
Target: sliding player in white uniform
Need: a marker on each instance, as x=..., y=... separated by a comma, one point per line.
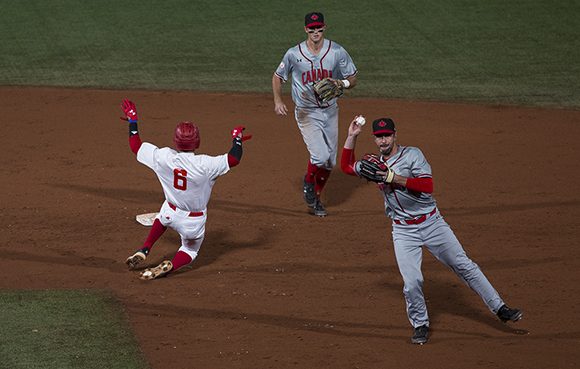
x=187, y=179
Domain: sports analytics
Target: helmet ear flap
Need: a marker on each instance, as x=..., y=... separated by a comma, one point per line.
x=186, y=137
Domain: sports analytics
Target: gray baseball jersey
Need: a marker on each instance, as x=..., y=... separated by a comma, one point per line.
x=431, y=232
x=400, y=203
x=306, y=69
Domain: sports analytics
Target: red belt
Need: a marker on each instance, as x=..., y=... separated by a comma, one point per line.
x=418, y=220
x=191, y=214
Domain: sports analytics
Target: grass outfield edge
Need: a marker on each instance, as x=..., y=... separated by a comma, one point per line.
x=287, y=96
x=66, y=329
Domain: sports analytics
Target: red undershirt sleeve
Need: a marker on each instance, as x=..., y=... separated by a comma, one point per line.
x=420, y=184
x=347, y=161
x=232, y=161
x=135, y=143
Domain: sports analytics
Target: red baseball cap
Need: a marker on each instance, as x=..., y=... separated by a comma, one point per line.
x=314, y=20
x=383, y=126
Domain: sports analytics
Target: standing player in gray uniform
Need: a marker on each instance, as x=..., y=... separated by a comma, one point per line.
x=308, y=62
x=407, y=187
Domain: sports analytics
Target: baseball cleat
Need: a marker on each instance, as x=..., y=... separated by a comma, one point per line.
x=420, y=335
x=319, y=209
x=137, y=258
x=309, y=194
x=505, y=314
x=159, y=271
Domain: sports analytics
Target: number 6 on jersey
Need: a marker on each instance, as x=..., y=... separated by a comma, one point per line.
x=180, y=179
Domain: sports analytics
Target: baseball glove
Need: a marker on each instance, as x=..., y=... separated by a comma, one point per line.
x=370, y=164
x=328, y=88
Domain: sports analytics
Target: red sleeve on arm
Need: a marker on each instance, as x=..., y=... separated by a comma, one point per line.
x=347, y=161
x=232, y=161
x=420, y=184
x=135, y=143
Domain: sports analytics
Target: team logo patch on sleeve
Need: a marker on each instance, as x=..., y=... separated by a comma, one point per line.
x=282, y=65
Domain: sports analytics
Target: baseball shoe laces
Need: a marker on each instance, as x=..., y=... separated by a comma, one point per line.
x=159, y=271
x=420, y=335
x=505, y=314
x=137, y=258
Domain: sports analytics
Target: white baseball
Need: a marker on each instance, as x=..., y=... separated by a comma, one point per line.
x=360, y=120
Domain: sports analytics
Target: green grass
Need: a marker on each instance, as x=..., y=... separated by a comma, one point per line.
x=516, y=52
x=64, y=329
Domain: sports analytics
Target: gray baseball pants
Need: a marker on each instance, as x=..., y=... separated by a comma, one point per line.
x=319, y=128
x=436, y=235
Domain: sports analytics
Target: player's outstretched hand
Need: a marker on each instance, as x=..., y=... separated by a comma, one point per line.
x=354, y=129
x=280, y=108
x=239, y=132
x=130, y=111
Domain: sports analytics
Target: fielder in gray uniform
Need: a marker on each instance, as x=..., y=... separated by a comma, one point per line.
x=407, y=192
x=308, y=62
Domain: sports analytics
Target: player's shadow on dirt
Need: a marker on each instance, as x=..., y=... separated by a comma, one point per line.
x=339, y=188
x=215, y=245
x=291, y=323
x=455, y=298
x=292, y=268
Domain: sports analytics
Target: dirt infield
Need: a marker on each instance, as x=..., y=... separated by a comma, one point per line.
x=275, y=287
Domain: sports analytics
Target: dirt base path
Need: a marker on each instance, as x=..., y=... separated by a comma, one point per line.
x=275, y=287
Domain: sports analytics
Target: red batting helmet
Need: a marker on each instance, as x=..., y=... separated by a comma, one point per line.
x=186, y=136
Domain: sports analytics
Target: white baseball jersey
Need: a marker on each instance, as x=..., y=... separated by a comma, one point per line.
x=332, y=61
x=187, y=178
